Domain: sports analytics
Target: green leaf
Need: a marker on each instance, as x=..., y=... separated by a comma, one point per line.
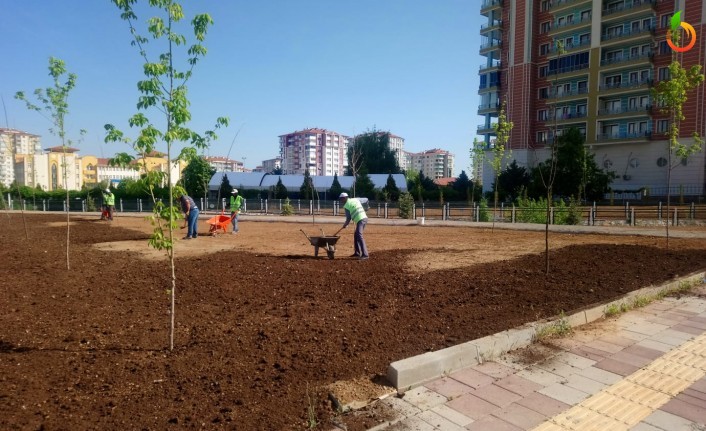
x=676, y=20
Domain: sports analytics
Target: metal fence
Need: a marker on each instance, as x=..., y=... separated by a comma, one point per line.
x=635, y=213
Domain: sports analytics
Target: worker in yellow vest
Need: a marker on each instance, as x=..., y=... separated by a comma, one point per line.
x=354, y=211
x=109, y=203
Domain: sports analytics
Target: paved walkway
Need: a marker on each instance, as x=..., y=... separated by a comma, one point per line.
x=644, y=371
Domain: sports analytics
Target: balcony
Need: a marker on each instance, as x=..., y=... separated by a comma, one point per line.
x=562, y=95
x=636, y=110
x=494, y=25
x=567, y=69
x=494, y=65
x=569, y=116
x=627, y=8
x=571, y=46
x=605, y=137
x=490, y=45
x=628, y=85
x=557, y=5
x=628, y=59
x=622, y=35
x=488, y=108
x=569, y=25
x=492, y=86
x=484, y=130
x=488, y=5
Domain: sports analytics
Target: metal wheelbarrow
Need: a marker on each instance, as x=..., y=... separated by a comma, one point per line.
x=326, y=242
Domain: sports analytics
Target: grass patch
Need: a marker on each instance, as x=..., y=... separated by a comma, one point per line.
x=557, y=329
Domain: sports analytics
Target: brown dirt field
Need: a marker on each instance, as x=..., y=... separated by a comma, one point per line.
x=262, y=328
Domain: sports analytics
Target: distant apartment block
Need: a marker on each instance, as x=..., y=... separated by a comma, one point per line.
x=224, y=164
x=17, y=149
x=591, y=64
x=318, y=151
x=434, y=163
x=270, y=165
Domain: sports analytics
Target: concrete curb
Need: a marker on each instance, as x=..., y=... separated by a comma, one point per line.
x=409, y=373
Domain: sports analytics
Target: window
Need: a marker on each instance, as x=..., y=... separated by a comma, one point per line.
x=581, y=110
x=634, y=52
x=545, y=27
x=563, y=89
x=613, y=81
x=614, y=56
x=542, y=137
x=544, y=93
x=544, y=49
x=646, y=23
x=585, y=38
x=635, y=26
x=645, y=49
x=644, y=76
x=662, y=126
x=644, y=101
x=612, y=106
x=569, y=42
x=664, y=47
x=561, y=21
x=546, y=4
x=632, y=103
x=631, y=128
x=543, y=71
x=664, y=20
x=585, y=15
x=614, y=31
x=542, y=115
x=582, y=87
x=633, y=78
x=643, y=127
x=610, y=130
x=663, y=73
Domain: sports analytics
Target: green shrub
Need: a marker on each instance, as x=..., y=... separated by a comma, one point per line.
x=483, y=212
x=406, y=204
x=287, y=208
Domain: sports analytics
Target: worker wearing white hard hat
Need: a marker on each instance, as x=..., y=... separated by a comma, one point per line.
x=354, y=211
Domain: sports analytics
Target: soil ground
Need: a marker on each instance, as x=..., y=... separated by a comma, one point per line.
x=263, y=329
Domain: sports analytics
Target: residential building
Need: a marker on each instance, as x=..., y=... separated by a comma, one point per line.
x=114, y=174
x=319, y=151
x=434, y=163
x=17, y=149
x=89, y=171
x=59, y=168
x=590, y=64
x=225, y=164
x=270, y=165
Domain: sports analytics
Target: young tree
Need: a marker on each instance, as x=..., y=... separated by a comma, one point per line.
x=306, y=191
x=390, y=189
x=499, y=151
x=197, y=175
x=670, y=95
x=336, y=189
x=54, y=100
x=280, y=190
x=164, y=90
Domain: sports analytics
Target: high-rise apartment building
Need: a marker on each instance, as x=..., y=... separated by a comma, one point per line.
x=591, y=64
x=432, y=163
x=17, y=149
x=225, y=164
x=319, y=151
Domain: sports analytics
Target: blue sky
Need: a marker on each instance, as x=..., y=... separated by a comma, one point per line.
x=274, y=66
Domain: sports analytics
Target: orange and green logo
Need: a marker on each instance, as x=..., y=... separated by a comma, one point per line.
x=688, y=29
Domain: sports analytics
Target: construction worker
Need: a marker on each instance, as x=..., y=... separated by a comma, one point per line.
x=109, y=204
x=236, y=203
x=354, y=211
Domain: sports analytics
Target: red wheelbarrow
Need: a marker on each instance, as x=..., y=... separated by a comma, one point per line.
x=220, y=221
x=327, y=242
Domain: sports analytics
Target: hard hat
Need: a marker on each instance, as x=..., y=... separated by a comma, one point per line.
x=343, y=195
x=235, y=191
x=107, y=190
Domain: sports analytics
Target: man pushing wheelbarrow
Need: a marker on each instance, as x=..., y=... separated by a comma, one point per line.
x=354, y=211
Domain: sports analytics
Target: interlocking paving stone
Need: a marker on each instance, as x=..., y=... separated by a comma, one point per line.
x=452, y=415
x=472, y=406
x=620, y=409
x=424, y=398
x=699, y=385
x=644, y=352
x=400, y=406
x=559, y=368
x=492, y=423
x=496, y=395
x=643, y=426
x=604, y=346
x=518, y=385
x=694, y=324
x=581, y=418
x=670, y=422
x=627, y=333
x=686, y=410
x=660, y=382
x=411, y=424
x=667, y=339
x=593, y=354
x=655, y=345
x=628, y=358
x=520, y=416
x=695, y=394
x=617, y=340
x=543, y=404
x=540, y=376
x=601, y=375
x=663, y=320
x=584, y=384
x=639, y=394
x=617, y=367
x=574, y=360
x=563, y=393
x=494, y=369
x=448, y=387
x=693, y=400
x=472, y=378
x=439, y=422
x=688, y=329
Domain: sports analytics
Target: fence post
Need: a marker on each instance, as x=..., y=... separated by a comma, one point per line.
x=659, y=211
x=139, y=204
x=245, y=205
x=424, y=210
x=414, y=211
x=632, y=216
x=448, y=210
x=385, y=209
x=502, y=210
x=692, y=212
x=65, y=208
x=121, y=205
x=311, y=207
x=676, y=221
x=513, y=213
x=83, y=205
x=627, y=207
x=265, y=206
x=44, y=205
